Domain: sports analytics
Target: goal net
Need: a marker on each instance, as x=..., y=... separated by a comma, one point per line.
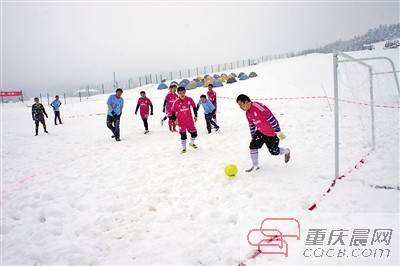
x=367, y=117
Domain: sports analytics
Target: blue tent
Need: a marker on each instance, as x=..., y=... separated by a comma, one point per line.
x=184, y=83
x=216, y=76
x=243, y=77
x=162, y=86
x=240, y=74
x=200, y=83
x=217, y=84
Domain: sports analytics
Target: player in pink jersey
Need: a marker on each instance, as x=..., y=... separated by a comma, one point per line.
x=182, y=114
x=264, y=129
x=212, y=96
x=145, y=104
x=168, y=101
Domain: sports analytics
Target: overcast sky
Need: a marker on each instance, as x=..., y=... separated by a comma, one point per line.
x=52, y=45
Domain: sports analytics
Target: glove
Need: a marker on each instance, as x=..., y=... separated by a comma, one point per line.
x=151, y=113
x=280, y=135
x=135, y=113
x=47, y=116
x=163, y=110
x=113, y=114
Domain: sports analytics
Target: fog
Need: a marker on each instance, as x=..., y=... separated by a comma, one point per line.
x=49, y=46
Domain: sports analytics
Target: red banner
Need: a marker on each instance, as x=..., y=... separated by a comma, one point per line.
x=10, y=93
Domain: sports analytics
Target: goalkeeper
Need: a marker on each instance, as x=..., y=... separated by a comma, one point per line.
x=264, y=128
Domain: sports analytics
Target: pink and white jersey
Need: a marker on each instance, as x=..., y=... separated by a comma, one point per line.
x=261, y=117
x=212, y=96
x=144, y=104
x=170, y=99
x=182, y=110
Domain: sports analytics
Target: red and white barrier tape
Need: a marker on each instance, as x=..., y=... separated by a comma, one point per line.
x=78, y=116
x=279, y=98
x=315, y=97
x=362, y=161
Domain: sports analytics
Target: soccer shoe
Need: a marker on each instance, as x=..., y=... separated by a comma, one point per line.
x=252, y=168
x=117, y=139
x=287, y=157
x=216, y=129
x=193, y=146
x=146, y=132
x=112, y=136
x=183, y=151
x=46, y=131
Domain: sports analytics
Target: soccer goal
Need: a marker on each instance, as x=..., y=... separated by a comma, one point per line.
x=366, y=98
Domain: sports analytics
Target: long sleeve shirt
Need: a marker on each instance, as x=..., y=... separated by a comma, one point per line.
x=207, y=106
x=38, y=111
x=261, y=118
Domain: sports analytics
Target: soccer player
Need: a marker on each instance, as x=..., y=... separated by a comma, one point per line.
x=212, y=96
x=181, y=113
x=264, y=129
x=145, y=104
x=168, y=101
x=115, y=104
x=209, y=111
x=56, y=103
x=38, y=113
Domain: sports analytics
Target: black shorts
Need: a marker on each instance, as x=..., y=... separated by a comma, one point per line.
x=260, y=139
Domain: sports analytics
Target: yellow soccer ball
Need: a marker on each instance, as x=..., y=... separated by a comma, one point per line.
x=230, y=171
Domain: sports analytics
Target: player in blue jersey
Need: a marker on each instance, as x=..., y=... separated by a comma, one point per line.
x=115, y=104
x=209, y=112
x=56, y=103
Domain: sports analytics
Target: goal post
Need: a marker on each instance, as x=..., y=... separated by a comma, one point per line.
x=366, y=100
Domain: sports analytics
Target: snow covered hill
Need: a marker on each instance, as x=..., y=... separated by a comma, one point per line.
x=76, y=196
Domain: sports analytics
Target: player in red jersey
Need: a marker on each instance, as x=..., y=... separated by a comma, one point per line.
x=264, y=129
x=145, y=104
x=181, y=113
x=168, y=101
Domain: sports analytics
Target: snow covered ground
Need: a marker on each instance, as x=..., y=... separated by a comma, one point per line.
x=76, y=196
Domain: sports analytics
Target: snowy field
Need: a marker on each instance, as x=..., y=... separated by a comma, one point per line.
x=75, y=196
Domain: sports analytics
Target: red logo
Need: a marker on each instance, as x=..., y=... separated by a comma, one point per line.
x=270, y=238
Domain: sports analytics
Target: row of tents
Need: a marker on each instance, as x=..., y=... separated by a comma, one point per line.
x=216, y=80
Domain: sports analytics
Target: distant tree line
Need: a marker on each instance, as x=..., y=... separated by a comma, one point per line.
x=382, y=33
